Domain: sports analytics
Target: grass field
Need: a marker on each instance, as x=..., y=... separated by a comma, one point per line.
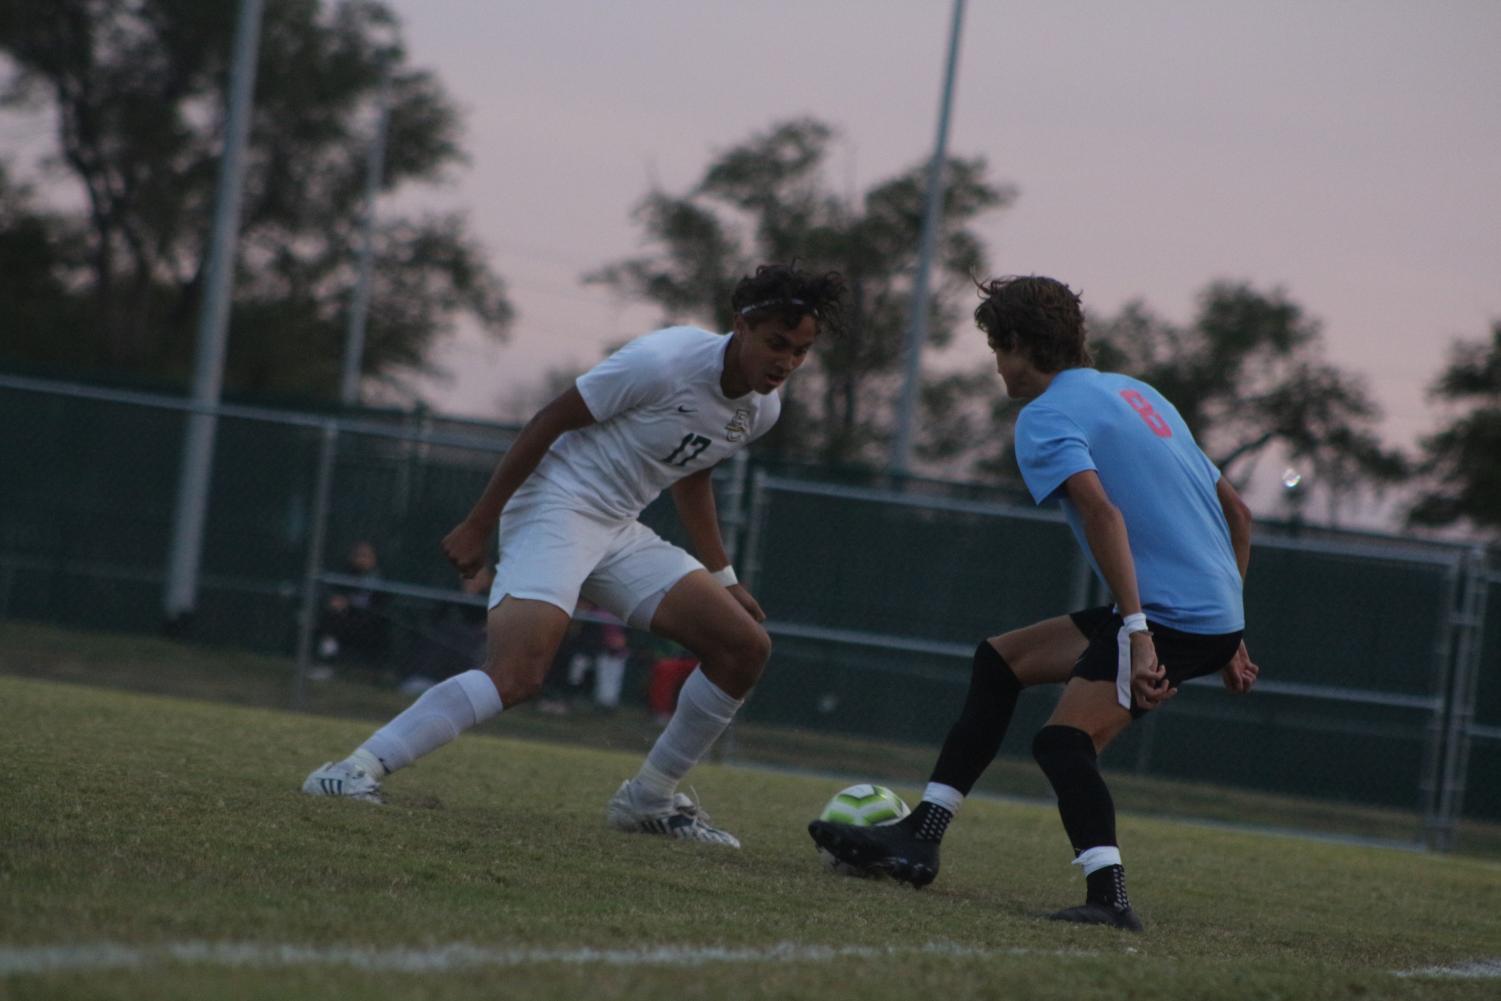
x=157, y=847
x=159, y=666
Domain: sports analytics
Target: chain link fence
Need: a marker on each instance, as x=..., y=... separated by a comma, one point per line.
x=1381, y=655
x=1371, y=647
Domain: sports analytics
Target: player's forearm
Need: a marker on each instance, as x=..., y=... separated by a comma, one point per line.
x=1105, y=530
x=1240, y=541
x=694, y=499
x=566, y=413
x=1239, y=520
x=519, y=462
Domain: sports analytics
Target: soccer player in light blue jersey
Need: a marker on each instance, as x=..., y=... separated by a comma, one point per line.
x=1166, y=533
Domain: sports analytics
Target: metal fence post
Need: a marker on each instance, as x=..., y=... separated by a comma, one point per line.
x=754, y=528
x=750, y=560
x=1429, y=782
x=1466, y=676
x=732, y=514
x=1083, y=581
x=317, y=528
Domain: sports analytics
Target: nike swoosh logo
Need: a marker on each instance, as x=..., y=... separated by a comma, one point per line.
x=686, y=410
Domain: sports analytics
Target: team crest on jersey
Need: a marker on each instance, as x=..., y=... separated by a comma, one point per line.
x=739, y=426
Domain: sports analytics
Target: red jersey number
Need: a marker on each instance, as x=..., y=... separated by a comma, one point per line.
x=1144, y=410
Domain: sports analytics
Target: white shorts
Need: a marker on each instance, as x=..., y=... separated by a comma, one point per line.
x=553, y=554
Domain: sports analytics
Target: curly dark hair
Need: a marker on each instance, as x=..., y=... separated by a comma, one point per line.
x=1039, y=317
x=789, y=293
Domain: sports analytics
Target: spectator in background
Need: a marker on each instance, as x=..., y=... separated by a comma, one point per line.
x=560, y=684
x=353, y=627
x=454, y=640
x=586, y=639
x=609, y=668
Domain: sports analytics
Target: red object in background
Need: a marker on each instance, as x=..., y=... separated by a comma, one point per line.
x=667, y=677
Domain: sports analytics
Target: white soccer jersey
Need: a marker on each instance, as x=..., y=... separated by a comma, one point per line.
x=661, y=416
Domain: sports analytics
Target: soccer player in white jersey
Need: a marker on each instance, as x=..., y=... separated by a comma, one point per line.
x=1165, y=532
x=658, y=414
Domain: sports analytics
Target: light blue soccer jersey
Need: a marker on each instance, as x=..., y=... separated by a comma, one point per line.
x=1159, y=478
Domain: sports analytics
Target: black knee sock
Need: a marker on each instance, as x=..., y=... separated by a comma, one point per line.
x=1067, y=757
x=975, y=737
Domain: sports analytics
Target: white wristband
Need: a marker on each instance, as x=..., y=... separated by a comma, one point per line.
x=1136, y=622
x=725, y=577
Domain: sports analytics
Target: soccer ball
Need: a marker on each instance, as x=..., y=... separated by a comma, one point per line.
x=864, y=805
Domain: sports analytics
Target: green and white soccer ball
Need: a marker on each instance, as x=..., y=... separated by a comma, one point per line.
x=864, y=805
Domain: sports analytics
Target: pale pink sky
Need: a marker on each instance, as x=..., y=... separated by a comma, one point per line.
x=1348, y=152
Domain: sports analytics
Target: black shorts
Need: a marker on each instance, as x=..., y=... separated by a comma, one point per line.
x=1108, y=656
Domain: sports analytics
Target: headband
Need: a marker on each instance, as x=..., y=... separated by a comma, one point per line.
x=753, y=307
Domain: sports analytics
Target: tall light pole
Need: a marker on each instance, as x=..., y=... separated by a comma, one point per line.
x=917, y=323
x=349, y=389
x=359, y=306
x=186, y=550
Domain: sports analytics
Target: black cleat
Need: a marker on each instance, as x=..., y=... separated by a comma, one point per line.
x=1090, y=913
x=887, y=848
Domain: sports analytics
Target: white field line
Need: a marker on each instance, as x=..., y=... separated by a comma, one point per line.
x=1481, y=969
x=22, y=960
x=458, y=956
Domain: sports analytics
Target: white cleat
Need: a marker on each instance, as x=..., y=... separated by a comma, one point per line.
x=343, y=779
x=685, y=821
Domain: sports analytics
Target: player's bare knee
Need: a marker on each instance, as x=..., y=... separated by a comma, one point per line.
x=743, y=655
x=1014, y=651
x=517, y=682
x=753, y=653
x=758, y=647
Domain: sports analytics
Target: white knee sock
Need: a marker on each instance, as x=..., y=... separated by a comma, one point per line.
x=441, y=714
x=703, y=711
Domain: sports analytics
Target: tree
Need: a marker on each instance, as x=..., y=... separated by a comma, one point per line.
x=36, y=249
x=1461, y=462
x=138, y=90
x=1247, y=376
x=766, y=200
